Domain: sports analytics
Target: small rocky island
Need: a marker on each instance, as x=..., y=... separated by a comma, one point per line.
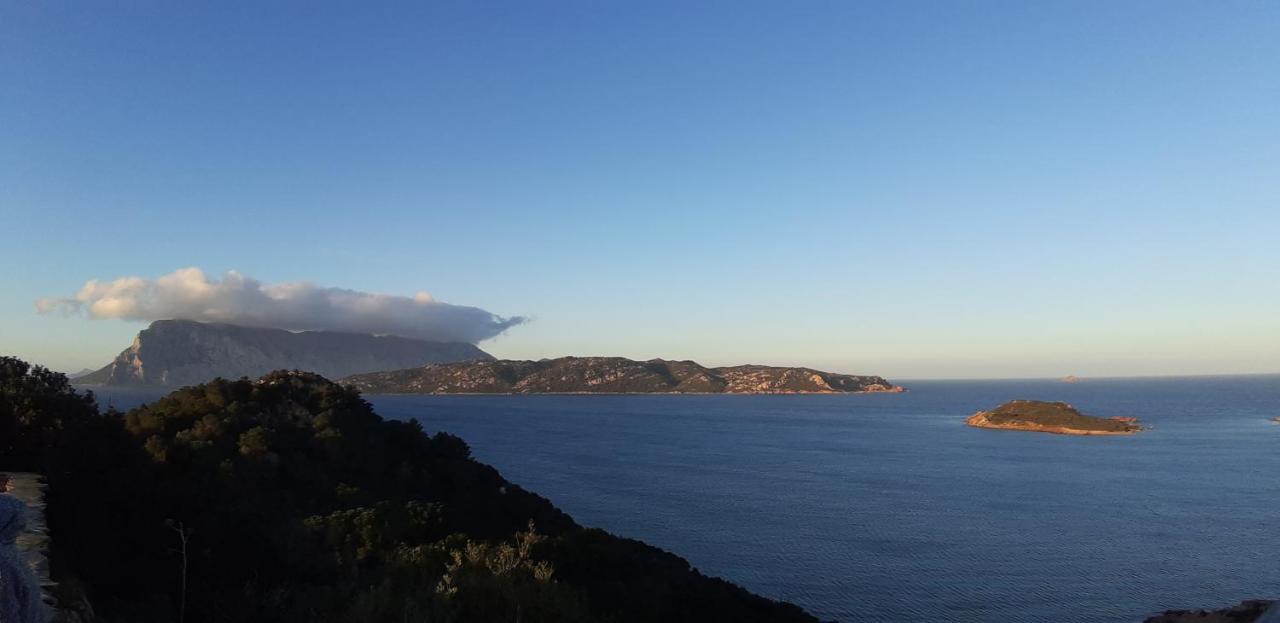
x=611, y=375
x=1050, y=417
x=1250, y=611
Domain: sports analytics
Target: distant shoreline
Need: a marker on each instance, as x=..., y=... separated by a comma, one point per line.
x=895, y=390
x=1082, y=380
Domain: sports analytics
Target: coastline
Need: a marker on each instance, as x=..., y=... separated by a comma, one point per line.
x=979, y=420
x=897, y=389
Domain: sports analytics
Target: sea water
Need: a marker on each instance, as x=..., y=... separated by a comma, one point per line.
x=886, y=507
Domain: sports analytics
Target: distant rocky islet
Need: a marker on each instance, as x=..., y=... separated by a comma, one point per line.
x=1050, y=417
x=1249, y=611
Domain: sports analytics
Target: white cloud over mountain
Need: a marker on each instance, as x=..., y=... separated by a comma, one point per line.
x=239, y=299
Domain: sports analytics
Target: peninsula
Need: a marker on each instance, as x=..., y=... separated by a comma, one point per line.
x=1050, y=417
x=610, y=375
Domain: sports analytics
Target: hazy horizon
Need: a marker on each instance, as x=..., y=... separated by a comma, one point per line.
x=926, y=191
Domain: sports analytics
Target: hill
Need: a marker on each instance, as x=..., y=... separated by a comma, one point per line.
x=173, y=353
x=610, y=375
x=1050, y=417
x=288, y=499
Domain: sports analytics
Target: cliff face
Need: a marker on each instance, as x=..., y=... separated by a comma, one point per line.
x=606, y=375
x=174, y=353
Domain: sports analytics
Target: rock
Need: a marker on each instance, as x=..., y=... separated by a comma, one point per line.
x=34, y=541
x=1051, y=417
x=173, y=353
x=1250, y=611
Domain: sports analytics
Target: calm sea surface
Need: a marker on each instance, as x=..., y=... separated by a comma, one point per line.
x=888, y=508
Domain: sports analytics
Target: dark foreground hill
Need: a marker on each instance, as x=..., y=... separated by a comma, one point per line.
x=173, y=353
x=610, y=375
x=288, y=499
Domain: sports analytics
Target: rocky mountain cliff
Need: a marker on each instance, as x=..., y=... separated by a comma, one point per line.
x=174, y=353
x=606, y=375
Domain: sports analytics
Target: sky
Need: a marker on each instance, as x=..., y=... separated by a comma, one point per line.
x=912, y=189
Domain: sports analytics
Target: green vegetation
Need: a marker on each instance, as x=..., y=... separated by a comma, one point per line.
x=1057, y=415
x=36, y=406
x=289, y=499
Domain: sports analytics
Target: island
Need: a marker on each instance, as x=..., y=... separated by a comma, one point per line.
x=611, y=375
x=1050, y=417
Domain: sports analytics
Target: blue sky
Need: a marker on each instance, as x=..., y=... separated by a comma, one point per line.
x=915, y=189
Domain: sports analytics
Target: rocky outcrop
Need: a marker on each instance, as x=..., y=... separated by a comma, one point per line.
x=1251, y=611
x=1050, y=417
x=173, y=353
x=34, y=541
x=67, y=603
x=611, y=375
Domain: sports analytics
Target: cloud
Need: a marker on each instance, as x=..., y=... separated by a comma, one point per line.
x=238, y=299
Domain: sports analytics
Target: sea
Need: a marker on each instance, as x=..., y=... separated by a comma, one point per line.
x=887, y=507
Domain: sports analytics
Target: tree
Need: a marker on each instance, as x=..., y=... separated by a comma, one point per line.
x=36, y=406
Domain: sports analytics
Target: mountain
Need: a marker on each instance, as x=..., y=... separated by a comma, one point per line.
x=610, y=375
x=174, y=353
x=82, y=372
